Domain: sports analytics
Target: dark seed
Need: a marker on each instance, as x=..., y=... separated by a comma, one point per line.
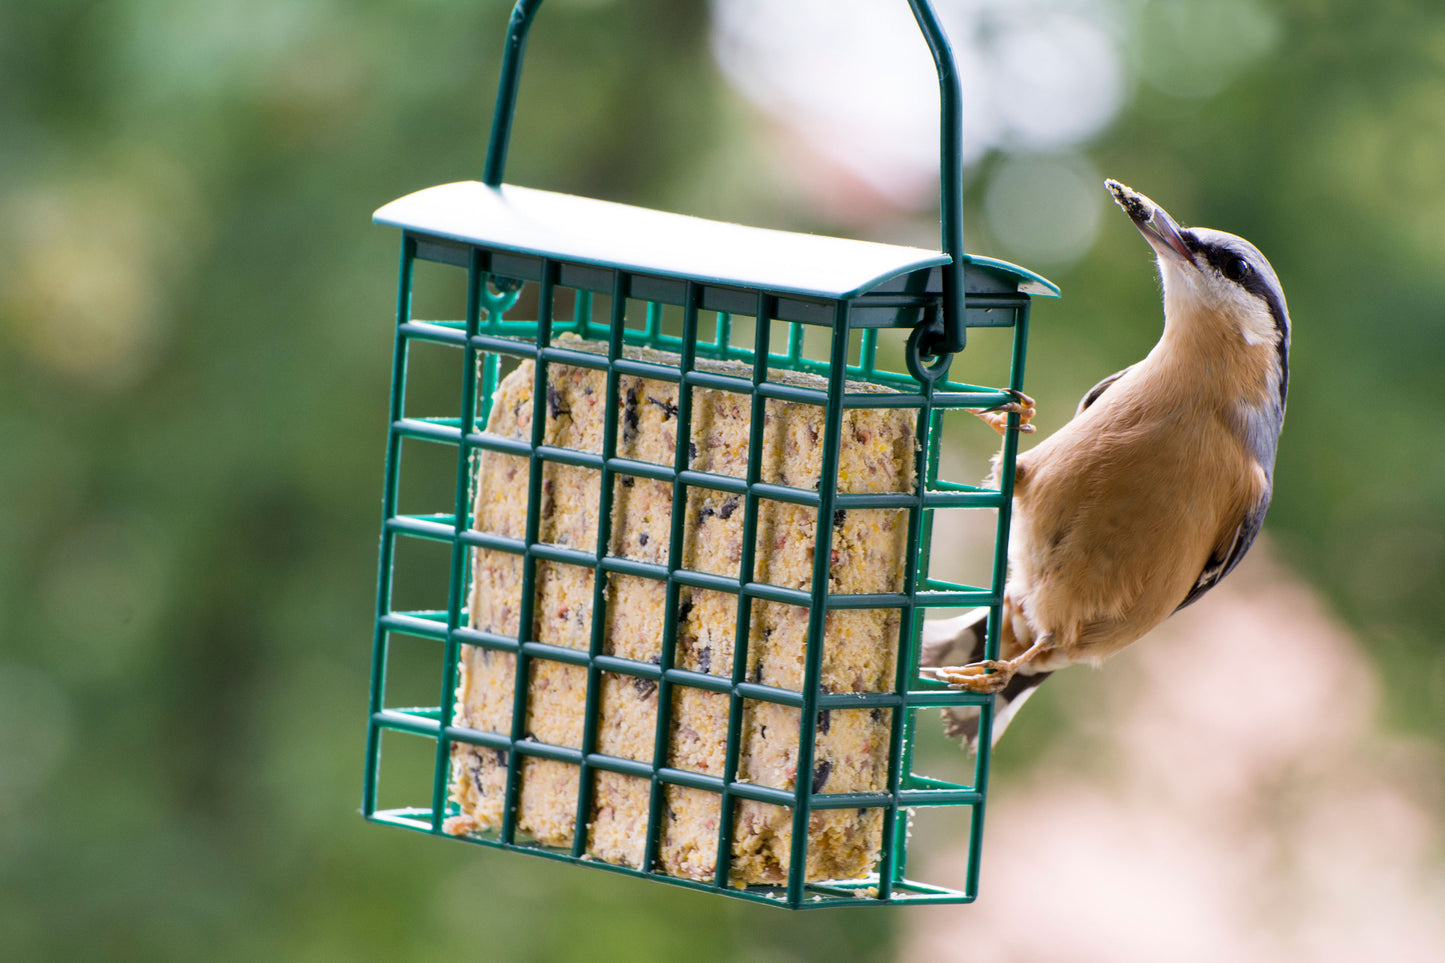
x=838, y=517
x=684, y=609
x=501, y=756
x=727, y=509
x=642, y=538
x=825, y=720
x=762, y=732
x=863, y=812
x=644, y=687
x=821, y=772
x=758, y=671
x=707, y=512
x=629, y=415
x=704, y=659
x=876, y=715
x=668, y=409
x=554, y=402
x=627, y=481
x=477, y=780
x=692, y=450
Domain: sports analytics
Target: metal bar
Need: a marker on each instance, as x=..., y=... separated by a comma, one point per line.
x=592, y=707
x=509, y=346
x=522, y=15
x=956, y=600
x=441, y=332
x=388, y=509
x=497, y=543
x=795, y=344
x=461, y=522
x=975, y=398
x=576, y=356
x=491, y=374
x=582, y=312
x=929, y=782
x=818, y=614
x=868, y=349
x=776, y=593
x=529, y=562
x=405, y=722
x=497, y=443
x=1007, y=468
x=943, y=696
x=428, y=429
x=942, y=797
x=950, y=173
x=851, y=800
x=487, y=640
x=438, y=528
x=680, y=460
x=478, y=737
x=553, y=653
x=895, y=822
x=411, y=623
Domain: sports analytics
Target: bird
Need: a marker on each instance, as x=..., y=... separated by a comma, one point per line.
x=1151, y=493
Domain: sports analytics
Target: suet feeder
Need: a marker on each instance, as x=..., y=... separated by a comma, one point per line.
x=611, y=298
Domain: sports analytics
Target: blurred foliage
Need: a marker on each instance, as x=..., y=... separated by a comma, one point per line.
x=193, y=365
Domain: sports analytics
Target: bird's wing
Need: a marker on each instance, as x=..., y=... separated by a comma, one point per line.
x=955, y=641
x=1229, y=552
x=1098, y=389
x=959, y=641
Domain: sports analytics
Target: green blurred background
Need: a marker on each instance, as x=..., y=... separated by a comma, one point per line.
x=195, y=350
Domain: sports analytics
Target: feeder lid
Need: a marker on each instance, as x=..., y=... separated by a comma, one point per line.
x=608, y=234
x=1010, y=276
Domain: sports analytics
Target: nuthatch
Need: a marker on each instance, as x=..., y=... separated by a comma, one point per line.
x=1154, y=490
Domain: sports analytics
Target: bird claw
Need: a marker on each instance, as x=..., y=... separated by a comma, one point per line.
x=997, y=416
x=988, y=676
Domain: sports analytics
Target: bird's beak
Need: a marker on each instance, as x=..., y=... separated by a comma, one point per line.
x=1152, y=221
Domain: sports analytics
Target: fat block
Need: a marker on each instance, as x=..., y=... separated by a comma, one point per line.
x=877, y=453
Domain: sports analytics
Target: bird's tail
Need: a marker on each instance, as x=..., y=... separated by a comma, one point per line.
x=960, y=641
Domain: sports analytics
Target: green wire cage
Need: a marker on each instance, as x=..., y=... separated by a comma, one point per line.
x=665, y=314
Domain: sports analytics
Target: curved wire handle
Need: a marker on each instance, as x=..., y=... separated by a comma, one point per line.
x=950, y=144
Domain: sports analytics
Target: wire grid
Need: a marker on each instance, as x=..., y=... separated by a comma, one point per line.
x=487, y=341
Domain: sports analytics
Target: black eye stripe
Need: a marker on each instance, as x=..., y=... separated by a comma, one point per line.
x=1220, y=258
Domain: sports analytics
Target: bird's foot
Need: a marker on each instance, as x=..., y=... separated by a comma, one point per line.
x=997, y=416
x=988, y=676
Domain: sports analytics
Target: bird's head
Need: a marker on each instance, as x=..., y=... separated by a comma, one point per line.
x=1211, y=278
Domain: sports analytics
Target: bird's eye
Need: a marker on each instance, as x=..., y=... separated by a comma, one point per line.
x=1237, y=268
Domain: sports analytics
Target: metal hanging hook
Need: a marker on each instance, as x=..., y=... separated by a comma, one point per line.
x=945, y=339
